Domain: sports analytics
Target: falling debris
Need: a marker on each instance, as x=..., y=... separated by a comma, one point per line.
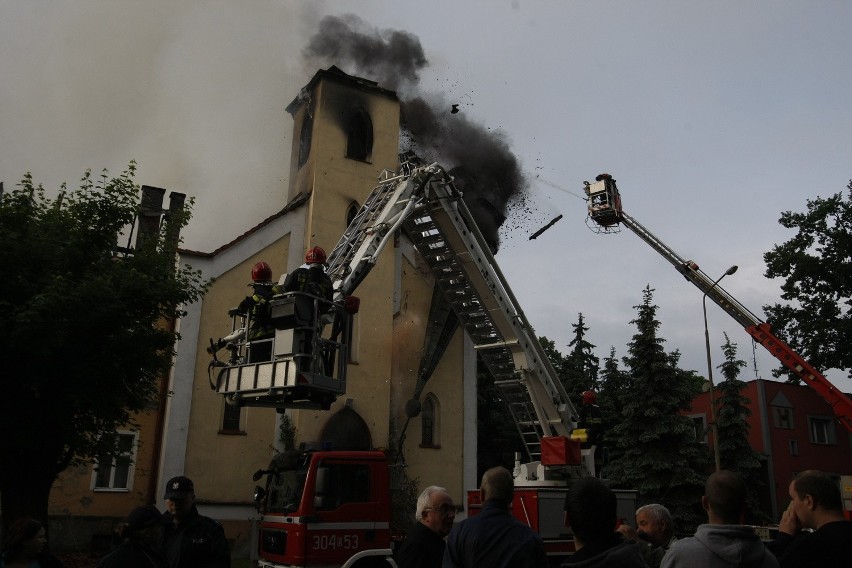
x=455, y=109
x=546, y=227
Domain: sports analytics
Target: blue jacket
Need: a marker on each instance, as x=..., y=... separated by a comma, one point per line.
x=496, y=539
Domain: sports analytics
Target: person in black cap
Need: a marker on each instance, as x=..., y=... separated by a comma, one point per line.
x=191, y=540
x=143, y=536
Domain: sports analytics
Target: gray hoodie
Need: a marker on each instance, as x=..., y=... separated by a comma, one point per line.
x=720, y=546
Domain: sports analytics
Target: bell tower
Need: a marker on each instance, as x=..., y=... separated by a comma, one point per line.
x=346, y=132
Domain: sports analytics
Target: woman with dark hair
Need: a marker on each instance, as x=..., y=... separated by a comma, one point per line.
x=24, y=544
x=142, y=534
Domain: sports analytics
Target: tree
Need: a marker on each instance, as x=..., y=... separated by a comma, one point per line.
x=659, y=453
x=496, y=433
x=614, y=392
x=816, y=266
x=732, y=429
x=84, y=327
x=557, y=359
x=581, y=364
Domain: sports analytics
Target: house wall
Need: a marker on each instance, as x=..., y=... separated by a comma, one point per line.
x=834, y=459
x=774, y=442
x=84, y=519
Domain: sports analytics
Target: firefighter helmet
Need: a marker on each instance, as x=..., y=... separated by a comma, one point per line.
x=589, y=397
x=315, y=255
x=261, y=272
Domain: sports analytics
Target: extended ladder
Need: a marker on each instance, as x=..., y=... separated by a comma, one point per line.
x=425, y=203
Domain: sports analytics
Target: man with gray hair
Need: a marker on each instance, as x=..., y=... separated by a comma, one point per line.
x=494, y=538
x=654, y=532
x=423, y=547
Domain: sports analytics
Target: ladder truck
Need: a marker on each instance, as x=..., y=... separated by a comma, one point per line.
x=605, y=210
x=326, y=507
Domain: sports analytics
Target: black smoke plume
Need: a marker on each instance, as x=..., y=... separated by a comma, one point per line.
x=481, y=160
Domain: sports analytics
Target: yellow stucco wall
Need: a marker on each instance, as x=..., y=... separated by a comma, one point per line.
x=442, y=464
x=220, y=460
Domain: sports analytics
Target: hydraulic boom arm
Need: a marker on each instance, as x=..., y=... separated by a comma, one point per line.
x=606, y=211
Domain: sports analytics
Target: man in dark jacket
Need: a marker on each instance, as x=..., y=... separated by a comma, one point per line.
x=590, y=513
x=191, y=540
x=815, y=503
x=494, y=538
x=423, y=547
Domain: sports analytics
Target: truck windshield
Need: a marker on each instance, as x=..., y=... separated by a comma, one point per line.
x=284, y=487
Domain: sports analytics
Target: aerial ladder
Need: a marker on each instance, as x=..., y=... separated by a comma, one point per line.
x=606, y=212
x=423, y=202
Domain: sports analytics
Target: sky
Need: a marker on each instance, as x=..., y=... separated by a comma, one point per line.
x=714, y=117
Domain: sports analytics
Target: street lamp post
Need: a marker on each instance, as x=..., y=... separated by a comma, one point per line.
x=716, y=456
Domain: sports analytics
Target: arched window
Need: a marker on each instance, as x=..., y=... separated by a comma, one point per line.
x=430, y=422
x=351, y=212
x=346, y=430
x=359, y=133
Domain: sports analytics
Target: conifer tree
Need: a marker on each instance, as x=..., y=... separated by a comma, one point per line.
x=732, y=428
x=659, y=453
x=613, y=391
x=497, y=435
x=581, y=364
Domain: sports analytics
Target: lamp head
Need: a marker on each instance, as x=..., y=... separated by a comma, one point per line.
x=731, y=270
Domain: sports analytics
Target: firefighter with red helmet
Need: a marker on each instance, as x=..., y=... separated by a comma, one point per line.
x=311, y=278
x=590, y=417
x=256, y=306
x=315, y=300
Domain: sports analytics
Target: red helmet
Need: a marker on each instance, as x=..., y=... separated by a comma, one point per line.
x=261, y=272
x=315, y=255
x=589, y=397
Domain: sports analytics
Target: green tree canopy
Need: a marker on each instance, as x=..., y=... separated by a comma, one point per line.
x=816, y=265
x=84, y=324
x=658, y=453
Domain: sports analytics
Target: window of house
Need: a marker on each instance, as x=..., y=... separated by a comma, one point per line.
x=429, y=423
x=232, y=416
x=116, y=474
x=351, y=213
x=305, y=139
x=783, y=417
x=821, y=430
x=699, y=421
x=359, y=136
x=794, y=448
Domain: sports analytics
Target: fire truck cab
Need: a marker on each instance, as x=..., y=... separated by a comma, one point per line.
x=323, y=508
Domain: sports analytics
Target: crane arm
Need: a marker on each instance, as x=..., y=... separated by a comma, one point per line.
x=605, y=209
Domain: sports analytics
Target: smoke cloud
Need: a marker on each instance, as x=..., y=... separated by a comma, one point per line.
x=481, y=160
